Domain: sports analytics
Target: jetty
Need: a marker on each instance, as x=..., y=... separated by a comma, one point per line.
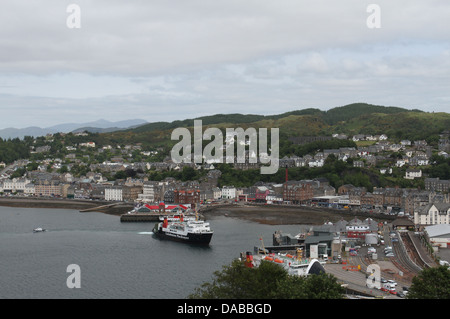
x=147, y=217
x=97, y=208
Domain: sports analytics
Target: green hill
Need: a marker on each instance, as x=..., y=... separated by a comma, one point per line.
x=355, y=110
x=357, y=118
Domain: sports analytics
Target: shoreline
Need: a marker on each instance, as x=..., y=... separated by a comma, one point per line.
x=287, y=215
x=262, y=214
x=64, y=203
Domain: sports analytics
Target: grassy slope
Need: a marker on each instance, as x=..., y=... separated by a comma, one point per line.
x=352, y=119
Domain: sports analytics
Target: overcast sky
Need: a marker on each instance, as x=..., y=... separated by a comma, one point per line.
x=175, y=59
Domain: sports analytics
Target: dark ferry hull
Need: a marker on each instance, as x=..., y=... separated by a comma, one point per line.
x=198, y=239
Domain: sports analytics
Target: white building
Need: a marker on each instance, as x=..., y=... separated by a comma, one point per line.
x=88, y=144
x=273, y=198
x=113, y=193
x=228, y=192
x=400, y=163
x=316, y=163
x=29, y=189
x=15, y=185
x=432, y=214
x=413, y=173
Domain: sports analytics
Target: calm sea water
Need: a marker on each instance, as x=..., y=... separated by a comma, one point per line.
x=117, y=260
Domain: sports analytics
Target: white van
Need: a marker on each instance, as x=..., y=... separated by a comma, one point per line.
x=389, y=286
x=392, y=282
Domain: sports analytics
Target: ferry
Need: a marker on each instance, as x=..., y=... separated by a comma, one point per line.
x=188, y=231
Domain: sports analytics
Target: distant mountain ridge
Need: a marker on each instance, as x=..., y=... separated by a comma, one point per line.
x=356, y=118
x=99, y=126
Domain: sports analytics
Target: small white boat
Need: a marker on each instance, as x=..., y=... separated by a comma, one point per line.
x=39, y=230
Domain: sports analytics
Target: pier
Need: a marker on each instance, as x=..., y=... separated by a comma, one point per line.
x=140, y=218
x=97, y=208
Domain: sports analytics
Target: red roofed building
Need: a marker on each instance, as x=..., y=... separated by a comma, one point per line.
x=161, y=208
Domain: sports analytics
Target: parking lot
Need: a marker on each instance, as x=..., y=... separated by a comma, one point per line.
x=444, y=254
x=389, y=257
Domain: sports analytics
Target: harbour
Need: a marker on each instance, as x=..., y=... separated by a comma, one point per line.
x=117, y=260
x=106, y=247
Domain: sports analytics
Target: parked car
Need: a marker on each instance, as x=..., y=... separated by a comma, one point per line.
x=401, y=294
x=392, y=282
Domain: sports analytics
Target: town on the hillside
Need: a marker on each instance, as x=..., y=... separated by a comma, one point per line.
x=126, y=175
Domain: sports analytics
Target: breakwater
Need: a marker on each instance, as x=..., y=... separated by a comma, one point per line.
x=139, y=218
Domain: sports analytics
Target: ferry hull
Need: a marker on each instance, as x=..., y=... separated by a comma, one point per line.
x=197, y=239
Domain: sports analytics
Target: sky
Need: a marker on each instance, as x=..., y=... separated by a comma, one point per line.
x=165, y=60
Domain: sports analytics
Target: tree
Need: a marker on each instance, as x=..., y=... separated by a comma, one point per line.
x=431, y=283
x=268, y=281
x=63, y=169
x=120, y=175
x=188, y=173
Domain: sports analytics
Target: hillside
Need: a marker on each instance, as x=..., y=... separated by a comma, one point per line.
x=358, y=118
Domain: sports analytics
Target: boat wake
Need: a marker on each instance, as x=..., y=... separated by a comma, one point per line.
x=146, y=233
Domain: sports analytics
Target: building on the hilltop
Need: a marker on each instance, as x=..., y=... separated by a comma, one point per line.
x=412, y=173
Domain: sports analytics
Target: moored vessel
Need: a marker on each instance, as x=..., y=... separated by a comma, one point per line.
x=188, y=231
x=291, y=263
